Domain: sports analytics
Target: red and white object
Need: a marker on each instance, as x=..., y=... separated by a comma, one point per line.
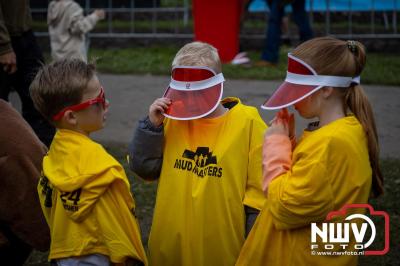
x=194, y=92
x=217, y=22
x=302, y=81
x=240, y=59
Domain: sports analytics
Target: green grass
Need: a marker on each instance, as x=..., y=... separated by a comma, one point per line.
x=141, y=60
x=145, y=193
x=380, y=69
x=389, y=202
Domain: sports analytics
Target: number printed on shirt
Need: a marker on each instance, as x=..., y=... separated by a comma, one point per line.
x=68, y=197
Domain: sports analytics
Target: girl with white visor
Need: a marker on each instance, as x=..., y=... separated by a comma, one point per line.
x=334, y=163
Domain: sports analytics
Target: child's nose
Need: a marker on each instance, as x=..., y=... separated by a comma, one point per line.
x=106, y=105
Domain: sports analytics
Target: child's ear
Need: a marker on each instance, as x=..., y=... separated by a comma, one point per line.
x=326, y=92
x=70, y=117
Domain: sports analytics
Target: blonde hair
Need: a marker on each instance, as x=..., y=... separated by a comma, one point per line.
x=198, y=54
x=60, y=84
x=330, y=56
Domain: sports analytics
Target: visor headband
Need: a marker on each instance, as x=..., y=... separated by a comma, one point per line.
x=312, y=78
x=321, y=80
x=197, y=85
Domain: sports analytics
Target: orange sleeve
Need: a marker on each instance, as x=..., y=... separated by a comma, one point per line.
x=277, y=158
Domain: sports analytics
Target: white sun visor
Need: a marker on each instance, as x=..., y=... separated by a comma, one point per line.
x=194, y=92
x=302, y=81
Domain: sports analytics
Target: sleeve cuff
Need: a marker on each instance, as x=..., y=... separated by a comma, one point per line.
x=6, y=48
x=146, y=124
x=277, y=158
x=93, y=19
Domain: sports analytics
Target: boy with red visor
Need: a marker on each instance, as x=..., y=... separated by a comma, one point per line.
x=84, y=192
x=206, y=154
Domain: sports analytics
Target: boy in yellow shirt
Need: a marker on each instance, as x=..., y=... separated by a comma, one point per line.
x=84, y=192
x=206, y=154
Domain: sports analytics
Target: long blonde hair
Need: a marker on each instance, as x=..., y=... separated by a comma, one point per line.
x=330, y=56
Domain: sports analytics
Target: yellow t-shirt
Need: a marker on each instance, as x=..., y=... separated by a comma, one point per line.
x=330, y=168
x=211, y=169
x=86, y=199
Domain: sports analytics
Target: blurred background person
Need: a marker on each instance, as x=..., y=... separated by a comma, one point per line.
x=68, y=28
x=270, y=54
x=20, y=58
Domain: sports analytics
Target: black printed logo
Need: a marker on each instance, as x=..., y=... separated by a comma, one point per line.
x=47, y=191
x=201, y=162
x=70, y=200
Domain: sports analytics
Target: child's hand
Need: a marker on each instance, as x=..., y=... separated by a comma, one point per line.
x=278, y=126
x=156, y=110
x=100, y=13
x=289, y=119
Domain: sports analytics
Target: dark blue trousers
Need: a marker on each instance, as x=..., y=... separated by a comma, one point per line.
x=273, y=34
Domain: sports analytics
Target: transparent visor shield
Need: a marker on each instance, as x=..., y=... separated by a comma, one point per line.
x=194, y=93
x=288, y=94
x=302, y=81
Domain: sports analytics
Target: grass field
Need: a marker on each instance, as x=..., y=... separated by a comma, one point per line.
x=145, y=192
x=381, y=68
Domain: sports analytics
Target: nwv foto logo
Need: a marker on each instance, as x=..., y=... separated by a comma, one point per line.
x=336, y=236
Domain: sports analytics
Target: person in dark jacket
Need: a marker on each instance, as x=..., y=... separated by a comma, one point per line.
x=22, y=224
x=20, y=58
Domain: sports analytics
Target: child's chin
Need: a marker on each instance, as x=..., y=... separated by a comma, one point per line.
x=100, y=127
x=302, y=114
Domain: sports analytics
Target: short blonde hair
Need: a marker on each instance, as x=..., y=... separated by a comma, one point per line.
x=198, y=54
